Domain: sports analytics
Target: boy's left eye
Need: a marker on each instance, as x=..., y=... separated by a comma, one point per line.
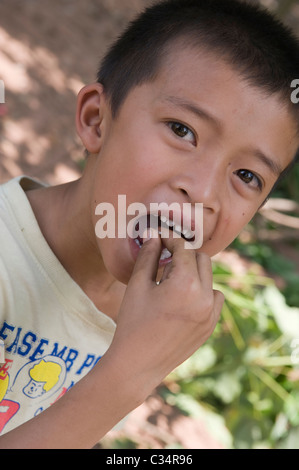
x=182, y=131
x=250, y=178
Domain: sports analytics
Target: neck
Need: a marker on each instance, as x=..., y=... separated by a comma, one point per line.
x=67, y=227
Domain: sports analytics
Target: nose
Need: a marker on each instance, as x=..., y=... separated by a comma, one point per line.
x=203, y=182
x=205, y=185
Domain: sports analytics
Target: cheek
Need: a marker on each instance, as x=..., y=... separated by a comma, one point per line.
x=116, y=258
x=225, y=233
x=235, y=223
x=145, y=160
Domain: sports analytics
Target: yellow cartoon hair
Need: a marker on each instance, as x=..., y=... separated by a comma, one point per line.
x=4, y=379
x=47, y=372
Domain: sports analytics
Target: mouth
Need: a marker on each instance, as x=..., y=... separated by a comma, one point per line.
x=159, y=222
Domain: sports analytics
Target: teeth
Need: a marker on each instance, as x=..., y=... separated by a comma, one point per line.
x=165, y=254
x=170, y=223
x=137, y=242
x=188, y=234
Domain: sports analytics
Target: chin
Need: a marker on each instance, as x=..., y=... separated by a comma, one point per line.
x=120, y=269
x=123, y=277
x=210, y=249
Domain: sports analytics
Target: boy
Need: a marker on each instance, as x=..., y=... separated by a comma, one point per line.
x=192, y=105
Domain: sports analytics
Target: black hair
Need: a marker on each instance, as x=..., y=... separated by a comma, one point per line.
x=256, y=44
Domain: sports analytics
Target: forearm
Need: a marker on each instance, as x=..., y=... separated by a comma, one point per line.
x=83, y=415
x=158, y=327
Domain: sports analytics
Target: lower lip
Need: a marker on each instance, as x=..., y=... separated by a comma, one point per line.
x=135, y=250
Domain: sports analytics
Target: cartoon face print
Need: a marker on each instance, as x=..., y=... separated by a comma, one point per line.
x=43, y=377
x=34, y=389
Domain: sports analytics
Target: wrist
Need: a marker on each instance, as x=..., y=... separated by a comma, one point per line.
x=129, y=385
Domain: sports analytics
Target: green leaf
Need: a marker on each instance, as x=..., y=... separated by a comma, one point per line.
x=202, y=360
x=227, y=387
x=291, y=441
x=286, y=317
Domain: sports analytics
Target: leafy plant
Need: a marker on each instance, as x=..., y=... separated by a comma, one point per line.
x=245, y=373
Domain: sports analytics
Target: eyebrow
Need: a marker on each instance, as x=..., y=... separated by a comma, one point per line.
x=271, y=163
x=196, y=110
x=273, y=166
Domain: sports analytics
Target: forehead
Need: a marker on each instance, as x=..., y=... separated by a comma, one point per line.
x=194, y=78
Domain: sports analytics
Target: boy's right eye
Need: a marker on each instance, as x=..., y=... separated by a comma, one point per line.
x=182, y=131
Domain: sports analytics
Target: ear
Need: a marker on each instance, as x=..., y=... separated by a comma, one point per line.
x=89, y=116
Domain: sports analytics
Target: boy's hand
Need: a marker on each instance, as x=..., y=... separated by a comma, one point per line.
x=159, y=326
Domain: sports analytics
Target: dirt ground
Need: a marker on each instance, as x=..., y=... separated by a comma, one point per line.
x=49, y=49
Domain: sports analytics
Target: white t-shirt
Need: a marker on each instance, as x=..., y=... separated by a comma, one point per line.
x=53, y=333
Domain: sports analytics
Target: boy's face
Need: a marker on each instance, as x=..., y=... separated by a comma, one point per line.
x=197, y=134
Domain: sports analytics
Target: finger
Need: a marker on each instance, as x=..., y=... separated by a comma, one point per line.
x=182, y=257
x=146, y=265
x=166, y=272
x=205, y=272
